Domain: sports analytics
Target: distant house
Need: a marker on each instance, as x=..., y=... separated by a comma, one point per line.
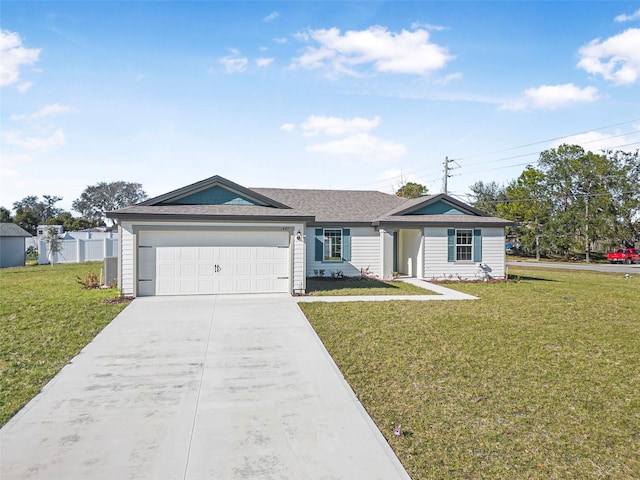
x=216, y=236
x=12, y=245
x=43, y=229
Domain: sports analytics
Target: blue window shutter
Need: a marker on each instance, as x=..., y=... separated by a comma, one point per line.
x=477, y=245
x=346, y=244
x=451, y=245
x=319, y=244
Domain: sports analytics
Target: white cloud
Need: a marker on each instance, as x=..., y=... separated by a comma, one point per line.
x=628, y=18
x=12, y=56
x=24, y=87
x=551, y=97
x=280, y=40
x=449, y=78
x=234, y=64
x=336, y=126
x=617, y=58
x=53, y=109
x=288, y=127
x=264, y=62
x=271, y=17
x=386, y=52
x=427, y=26
x=362, y=145
x=14, y=137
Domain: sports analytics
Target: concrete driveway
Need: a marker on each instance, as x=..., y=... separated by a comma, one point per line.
x=214, y=387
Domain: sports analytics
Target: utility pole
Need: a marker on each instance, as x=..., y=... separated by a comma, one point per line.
x=445, y=189
x=446, y=175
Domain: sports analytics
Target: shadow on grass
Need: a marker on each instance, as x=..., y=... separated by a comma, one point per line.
x=517, y=278
x=332, y=284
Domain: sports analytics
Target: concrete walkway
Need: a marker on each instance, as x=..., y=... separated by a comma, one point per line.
x=441, y=293
x=207, y=387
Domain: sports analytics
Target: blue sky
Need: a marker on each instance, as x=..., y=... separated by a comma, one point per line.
x=358, y=95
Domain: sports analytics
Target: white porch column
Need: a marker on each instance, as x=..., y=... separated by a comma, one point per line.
x=386, y=253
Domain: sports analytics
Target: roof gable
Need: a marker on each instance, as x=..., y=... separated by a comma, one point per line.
x=440, y=204
x=215, y=195
x=13, y=230
x=439, y=208
x=214, y=191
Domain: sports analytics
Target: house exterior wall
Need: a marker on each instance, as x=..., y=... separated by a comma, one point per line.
x=365, y=254
x=436, y=265
x=12, y=252
x=128, y=259
x=128, y=235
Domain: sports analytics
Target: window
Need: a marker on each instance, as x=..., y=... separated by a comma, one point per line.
x=332, y=245
x=464, y=245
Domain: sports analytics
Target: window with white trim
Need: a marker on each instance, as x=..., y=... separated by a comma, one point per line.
x=332, y=245
x=464, y=245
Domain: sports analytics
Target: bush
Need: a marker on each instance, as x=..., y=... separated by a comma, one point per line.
x=90, y=281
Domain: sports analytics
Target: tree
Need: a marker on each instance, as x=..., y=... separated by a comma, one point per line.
x=412, y=190
x=487, y=196
x=71, y=223
x=623, y=184
x=5, y=215
x=31, y=212
x=527, y=203
x=53, y=243
x=103, y=197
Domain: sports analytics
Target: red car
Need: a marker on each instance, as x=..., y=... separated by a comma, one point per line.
x=624, y=255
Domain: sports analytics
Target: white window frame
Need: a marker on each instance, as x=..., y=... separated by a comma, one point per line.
x=329, y=242
x=463, y=247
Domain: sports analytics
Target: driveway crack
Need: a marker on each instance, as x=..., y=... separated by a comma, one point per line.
x=195, y=412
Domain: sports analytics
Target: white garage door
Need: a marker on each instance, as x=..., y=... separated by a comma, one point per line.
x=202, y=263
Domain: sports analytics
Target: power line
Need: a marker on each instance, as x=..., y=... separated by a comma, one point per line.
x=553, y=139
x=529, y=163
x=402, y=174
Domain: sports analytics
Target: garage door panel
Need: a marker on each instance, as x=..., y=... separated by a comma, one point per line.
x=263, y=269
x=189, y=263
x=243, y=269
x=205, y=287
x=187, y=269
x=205, y=270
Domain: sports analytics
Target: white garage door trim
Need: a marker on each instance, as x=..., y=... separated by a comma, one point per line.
x=213, y=262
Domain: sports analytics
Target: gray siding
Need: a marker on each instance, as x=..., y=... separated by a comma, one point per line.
x=437, y=267
x=127, y=259
x=365, y=253
x=12, y=252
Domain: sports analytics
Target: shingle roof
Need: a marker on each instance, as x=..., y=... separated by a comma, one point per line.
x=205, y=211
x=13, y=230
x=348, y=206
x=313, y=206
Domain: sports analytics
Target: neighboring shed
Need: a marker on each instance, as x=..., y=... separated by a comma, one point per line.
x=12, y=248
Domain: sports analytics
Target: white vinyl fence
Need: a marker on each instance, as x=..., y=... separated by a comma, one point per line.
x=80, y=250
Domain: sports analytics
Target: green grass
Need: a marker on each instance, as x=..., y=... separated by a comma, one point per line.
x=46, y=318
x=356, y=286
x=538, y=380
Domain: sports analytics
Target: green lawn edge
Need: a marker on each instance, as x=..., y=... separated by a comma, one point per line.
x=46, y=318
x=537, y=380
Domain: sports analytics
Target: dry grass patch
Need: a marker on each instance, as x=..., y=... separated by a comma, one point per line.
x=538, y=380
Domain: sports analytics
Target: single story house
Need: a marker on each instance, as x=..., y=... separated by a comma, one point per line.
x=216, y=236
x=12, y=245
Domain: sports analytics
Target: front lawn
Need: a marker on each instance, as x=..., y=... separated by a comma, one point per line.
x=46, y=318
x=357, y=286
x=540, y=379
